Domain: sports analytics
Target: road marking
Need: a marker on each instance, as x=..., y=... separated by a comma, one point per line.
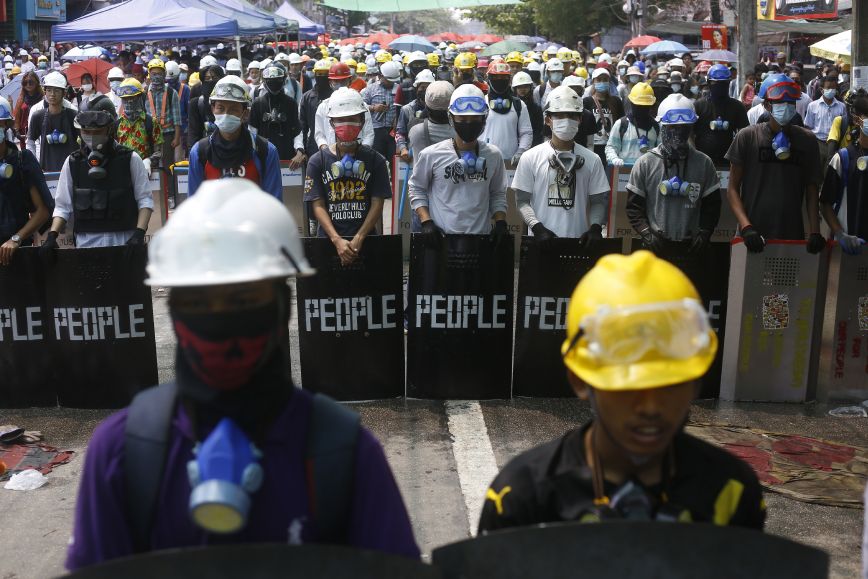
x=473, y=455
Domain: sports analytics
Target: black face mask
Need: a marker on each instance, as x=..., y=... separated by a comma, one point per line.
x=322, y=84
x=207, y=87
x=274, y=85
x=719, y=91
x=441, y=117
x=469, y=132
x=674, y=140
x=642, y=116
x=499, y=85
x=468, y=77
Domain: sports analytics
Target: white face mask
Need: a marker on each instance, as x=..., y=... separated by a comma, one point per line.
x=87, y=87
x=565, y=129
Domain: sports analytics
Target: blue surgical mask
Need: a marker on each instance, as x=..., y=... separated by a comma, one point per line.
x=634, y=78
x=783, y=113
x=601, y=86
x=556, y=76
x=182, y=77
x=694, y=90
x=227, y=123
x=865, y=126
x=829, y=93
x=114, y=84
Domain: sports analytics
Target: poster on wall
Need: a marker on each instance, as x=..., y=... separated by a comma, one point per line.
x=714, y=37
x=796, y=9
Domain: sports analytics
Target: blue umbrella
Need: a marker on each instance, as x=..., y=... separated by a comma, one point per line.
x=412, y=43
x=665, y=47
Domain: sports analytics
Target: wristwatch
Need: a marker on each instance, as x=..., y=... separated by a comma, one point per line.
x=16, y=238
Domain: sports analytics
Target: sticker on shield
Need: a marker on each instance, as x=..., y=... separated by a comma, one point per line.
x=776, y=311
x=863, y=313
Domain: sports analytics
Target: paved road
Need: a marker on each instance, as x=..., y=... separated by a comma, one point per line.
x=443, y=455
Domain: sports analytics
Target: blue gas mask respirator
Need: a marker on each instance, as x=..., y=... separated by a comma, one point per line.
x=500, y=104
x=719, y=124
x=348, y=167
x=6, y=170
x=643, y=144
x=469, y=164
x=781, y=146
x=223, y=475
x=862, y=163
x=673, y=186
x=55, y=137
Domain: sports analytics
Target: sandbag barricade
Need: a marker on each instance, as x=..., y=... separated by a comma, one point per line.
x=775, y=302
x=844, y=359
x=634, y=550
x=546, y=278
x=709, y=272
x=460, y=306
x=350, y=321
x=78, y=332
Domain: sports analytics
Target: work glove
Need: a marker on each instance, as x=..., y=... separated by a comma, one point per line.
x=617, y=162
x=850, y=244
x=432, y=235
x=542, y=235
x=137, y=238
x=591, y=236
x=49, y=248
x=700, y=242
x=500, y=232
x=816, y=243
x=753, y=241
x=652, y=240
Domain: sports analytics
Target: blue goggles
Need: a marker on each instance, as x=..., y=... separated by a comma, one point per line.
x=473, y=104
x=678, y=116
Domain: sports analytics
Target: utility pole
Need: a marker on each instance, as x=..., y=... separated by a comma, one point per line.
x=747, y=51
x=859, y=43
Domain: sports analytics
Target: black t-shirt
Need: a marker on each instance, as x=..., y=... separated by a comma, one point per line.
x=347, y=199
x=275, y=117
x=715, y=143
x=52, y=156
x=552, y=483
x=856, y=194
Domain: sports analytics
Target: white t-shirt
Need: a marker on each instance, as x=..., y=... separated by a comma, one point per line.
x=509, y=131
x=555, y=206
x=458, y=203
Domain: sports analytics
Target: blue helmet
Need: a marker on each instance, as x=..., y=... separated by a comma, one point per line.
x=719, y=72
x=769, y=81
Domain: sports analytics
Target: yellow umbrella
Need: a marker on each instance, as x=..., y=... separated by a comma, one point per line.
x=836, y=47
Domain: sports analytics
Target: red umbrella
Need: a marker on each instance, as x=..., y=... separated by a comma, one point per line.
x=642, y=41
x=486, y=38
x=446, y=37
x=96, y=68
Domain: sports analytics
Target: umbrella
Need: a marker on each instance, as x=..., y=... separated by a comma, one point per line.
x=485, y=38
x=665, y=47
x=718, y=56
x=504, y=47
x=96, y=67
x=85, y=53
x=412, y=43
x=446, y=37
x=642, y=41
x=836, y=47
x=12, y=89
x=469, y=45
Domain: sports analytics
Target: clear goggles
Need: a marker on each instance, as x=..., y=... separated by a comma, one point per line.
x=229, y=92
x=126, y=91
x=273, y=72
x=624, y=334
x=473, y=104
x=676, y=116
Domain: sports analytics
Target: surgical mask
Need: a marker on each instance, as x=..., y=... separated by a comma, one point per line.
x=114, y=84
x=556, y=76
x=783, y=113
x=601, y=86
x=676, y=87
x=468, y=132
x=347, y=132
x=227, y=123
x=87, y=87
x=829, y=93
x=634, y=78
x=565, y=129
x=43, y=65
x=182, y=77
x=694, y=90
x=622, y=71
x=94, y=142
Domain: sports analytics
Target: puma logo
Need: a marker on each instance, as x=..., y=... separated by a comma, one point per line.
x=497, y=498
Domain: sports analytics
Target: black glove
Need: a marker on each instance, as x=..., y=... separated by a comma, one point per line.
x=816, y=243
x=47, y=251
x=432, y=235
x=752, y=239
x=137, y=238
x=542, y=235
x=700, y=242
x=652, y=240
x=591, y=236
x=500, y=232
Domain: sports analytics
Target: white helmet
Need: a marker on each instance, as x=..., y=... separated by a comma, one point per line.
x=265, y=62
x=521, y=78
x=552, y=49
x=554, y=65
x=418, y=56
x=397, y=58
x=573, y=80
x=534, y=66
x=54, y=79
x=391, y=71
x=207, y=61
x=253, y=65
x=231, y=88
x=220, y=46
x=229, y=232
x=676, y=109
x=295, y=58
x=233, y=65
x=281, y=56
x=7, y=58
x=5, y=110
x=116, y=74
x=472, y=101
x=425, y=75
x=346, y=102
x=172, y=69
x=563, y=99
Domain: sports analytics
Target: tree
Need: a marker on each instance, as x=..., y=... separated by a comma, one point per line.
x=508, y=19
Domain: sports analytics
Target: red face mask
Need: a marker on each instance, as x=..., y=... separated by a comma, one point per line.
x=347, y=132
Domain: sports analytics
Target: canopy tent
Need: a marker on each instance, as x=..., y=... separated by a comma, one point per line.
x=835, y=47
x=161, y=19
x=251, y=10
x=307, y=28
x=409, y=5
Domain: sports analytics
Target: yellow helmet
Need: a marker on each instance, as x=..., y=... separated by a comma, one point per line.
x=577, y=56
x=465, y=61
x=42, y=58
x=453, y=46
x=362, y=68
x=323, y=65
x=351, y=62
x=157, y=63
x=642, y=94
x=565, y=53
x=382, y=56
x=15, y=70
x=130, y=88
x=433, y=59
x=194, y=79
x=598, y=51
x=635, y=322
x=514, y=56
x=405, y=60
x=582, y=72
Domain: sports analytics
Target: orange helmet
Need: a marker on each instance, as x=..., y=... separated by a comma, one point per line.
x=499, y=67
x=339, y=71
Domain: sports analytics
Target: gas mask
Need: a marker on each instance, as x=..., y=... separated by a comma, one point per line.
x=348, y=167
x=223, y=475
x=643, y=144
x=631, y=502
x=781, y=146
x=719, y=124
x=469, y=164
x=55, y=137
x=500, y=105
x=673, y=186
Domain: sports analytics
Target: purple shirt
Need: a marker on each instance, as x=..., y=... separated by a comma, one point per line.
x=279, y=512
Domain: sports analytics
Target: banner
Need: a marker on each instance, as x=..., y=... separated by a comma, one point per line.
x=78, y=332
x=773, y=322
x=546, y=280
x=796, y=9
x=350, y=321
x=459, y=343
x=709, y=272
x=714, y=37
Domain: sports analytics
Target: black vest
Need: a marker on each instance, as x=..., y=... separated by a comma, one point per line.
x=15, y=203
x=104, y=205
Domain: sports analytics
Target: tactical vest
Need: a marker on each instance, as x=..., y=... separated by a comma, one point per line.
x=15, y=204
x=104, y=205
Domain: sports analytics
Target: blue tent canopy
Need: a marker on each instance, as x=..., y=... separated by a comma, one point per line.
x=307, y=28
x=162, y=19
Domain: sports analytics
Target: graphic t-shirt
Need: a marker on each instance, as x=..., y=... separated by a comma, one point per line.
x=605, y=114
x=347, y=198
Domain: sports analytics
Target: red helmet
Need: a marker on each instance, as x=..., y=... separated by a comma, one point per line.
x=339, y=71
x=499, y=67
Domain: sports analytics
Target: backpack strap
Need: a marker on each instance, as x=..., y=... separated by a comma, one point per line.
x=146, y=444
x=261, y=146
x=204, y=148
x=330, y=463
x=622, y=128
